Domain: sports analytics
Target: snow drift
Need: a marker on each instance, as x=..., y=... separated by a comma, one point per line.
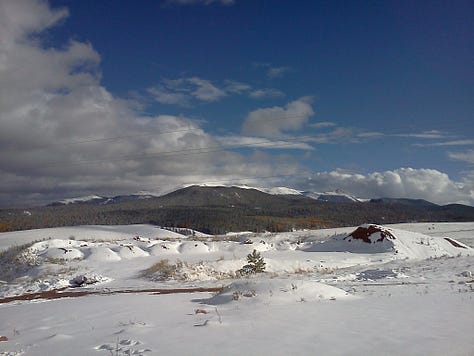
x=276, y=291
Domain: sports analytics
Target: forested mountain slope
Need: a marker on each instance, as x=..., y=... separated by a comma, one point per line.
x=219, y=210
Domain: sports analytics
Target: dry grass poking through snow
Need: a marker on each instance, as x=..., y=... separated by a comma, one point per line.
x=17, y=260
x=163, y=270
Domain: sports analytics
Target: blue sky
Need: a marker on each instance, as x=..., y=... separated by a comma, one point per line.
x=373, y=97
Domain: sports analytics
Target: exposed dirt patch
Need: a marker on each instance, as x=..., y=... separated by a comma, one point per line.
x=63, y=293
x=454, y=243
x=363, y=233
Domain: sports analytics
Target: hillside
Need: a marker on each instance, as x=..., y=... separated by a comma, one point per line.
x=218, y=210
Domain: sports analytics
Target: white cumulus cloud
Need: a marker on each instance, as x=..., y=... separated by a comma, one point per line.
x=428, y=184
x=275, y=120
x=64, y=134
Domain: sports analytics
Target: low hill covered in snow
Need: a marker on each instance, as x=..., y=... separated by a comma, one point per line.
x=371, y=238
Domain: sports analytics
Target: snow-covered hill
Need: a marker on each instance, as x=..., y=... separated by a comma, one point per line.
x=87, y=248
x=115, y=277
x=81, y=200
x=372, y=238
x=338, y=195
x=102, y=200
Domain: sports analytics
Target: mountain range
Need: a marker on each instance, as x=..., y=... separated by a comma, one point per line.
x=338, y=196
x=220, y=209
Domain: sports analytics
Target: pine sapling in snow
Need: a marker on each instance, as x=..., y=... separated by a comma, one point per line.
x=255, y=264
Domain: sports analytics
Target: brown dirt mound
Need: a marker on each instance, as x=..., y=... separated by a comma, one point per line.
x=363, y=233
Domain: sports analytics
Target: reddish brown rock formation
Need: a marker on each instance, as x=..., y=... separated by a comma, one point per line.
x=364, y=232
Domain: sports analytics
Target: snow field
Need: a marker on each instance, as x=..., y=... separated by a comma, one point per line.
x=324, y=292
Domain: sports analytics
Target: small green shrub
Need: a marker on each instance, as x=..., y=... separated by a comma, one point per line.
x=255, y=264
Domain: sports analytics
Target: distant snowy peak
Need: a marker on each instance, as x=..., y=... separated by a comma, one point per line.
x=280, y=191
x=338, y=196
x=131, y=197
x=271, y=190
x=100, y=200
x=81, y=200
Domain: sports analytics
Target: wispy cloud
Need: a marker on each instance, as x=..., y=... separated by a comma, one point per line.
x=336, y=135
x=271, y=70
x=205, y=90
x=264, y=143
x=467, y=156
x=165, y=96
x=447, y=143
x=232, y=86
x=183, y=91
x=266, y=93
x=322, y=124
x=277, y=72
x=432, y=134
x=370, y=134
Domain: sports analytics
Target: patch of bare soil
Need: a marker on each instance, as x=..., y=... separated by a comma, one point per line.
x=64, y=293
x=454, y=243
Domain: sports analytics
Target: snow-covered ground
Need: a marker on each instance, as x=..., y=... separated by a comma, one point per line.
x=394, y=290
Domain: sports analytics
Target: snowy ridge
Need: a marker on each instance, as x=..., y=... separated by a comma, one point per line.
x=338, y=195
x=96, y=199
x=272, y=190
x=84, y=199
x=280, y=191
